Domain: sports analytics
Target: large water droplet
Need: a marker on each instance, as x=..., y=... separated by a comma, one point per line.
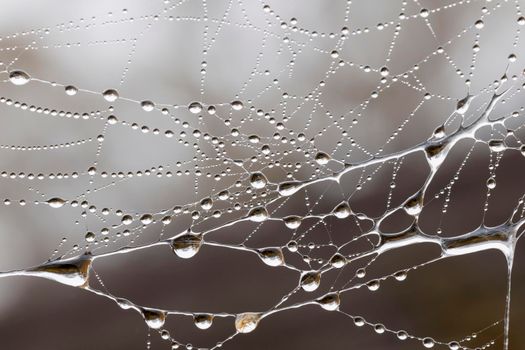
x=147, y=106
x=322, y=158
x=338, y=261
x=203, y=321
x=310, y=281
x=72, y=272
x=237, y=105
x=110, y=95
x=247, y=322
x=272, y=256
x=195, y=107
x=292, y=221
x=258, y=214
x=342, y=210
x=330, y=301
x=18, y=77
x=154, y=318
x=56, y=202
x=428, y=343
x=186, y=246
x=258, y=180
x=70, y=90
x=497, y=145
x=288, y=188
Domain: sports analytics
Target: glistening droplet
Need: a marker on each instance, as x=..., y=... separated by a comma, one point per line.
x=247, y=322
x=186, y=246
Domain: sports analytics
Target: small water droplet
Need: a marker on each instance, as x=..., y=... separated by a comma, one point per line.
x=292, y=221
x=491, y=183
x=428, y=343
x=373, y=285
x=322, y=158
x=342, y=210
x=90, y=237
x=147, y=106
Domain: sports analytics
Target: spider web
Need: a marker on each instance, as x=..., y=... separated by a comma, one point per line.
x=288, y=156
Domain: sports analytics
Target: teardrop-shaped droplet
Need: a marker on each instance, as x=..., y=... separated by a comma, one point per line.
x=258, y=180
x=110, y=95
x=154, y=318
x=439, y=132
x=288, y=188
x=464, y=104
x=310, y=281
x=491, y=183
x=400, y=275
x=292, y=221
x=195, y=107
x=146, y=219
x=342, y=210
x=72, y=272
x=186, y=246
x=258, y=214
x=247, y=322
x=18, y=77
x=56, y=202
x=272, y=256
x=203, y=321
x=414, y=205
x=330, y=301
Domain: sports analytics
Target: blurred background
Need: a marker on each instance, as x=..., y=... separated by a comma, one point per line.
x=309, y=77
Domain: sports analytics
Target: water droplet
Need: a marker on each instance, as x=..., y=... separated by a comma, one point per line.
x=186, y=246
x=454, y=345
x=464, y=104
x=247, y=322
x=379, y=328
x=124, y=304
x=18, y=77
x=292, y=246
x=402, y=335
x=338, y=261
x=439, y=132
x=310, y=281
x=195, y=107
x=384, y=71
x=258, y=214
x=146, y=219
x=292, y=221
x=322, y=158
x=258, y=180
x=423, y=13
x=373, y=285
x=110, y=95
x=521, y=21
x=72, y=272
x=359, y=321
x=360, y=273
x=206, y=203
x=428, y=343
x=400, y=275
x=56, y=202
x=147, y=106
x=288, y=188
x=127, y=219
x=154, y=318
x=330, y=302
x=497, y=145
x=203, y=321
x=90, y=237
x=71, y=90
x=342, y=210
x=413, y=206
x=272, y=256
x=237, y=105
x=479, y=24
x=491, y=183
